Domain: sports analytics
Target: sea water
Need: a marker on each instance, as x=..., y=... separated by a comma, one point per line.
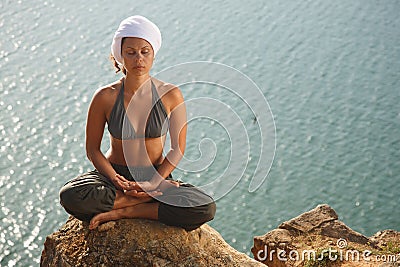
x=330, y=71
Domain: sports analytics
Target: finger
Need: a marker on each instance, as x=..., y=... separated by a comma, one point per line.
x=142, y=194
x=172, y=183
x=122, y=185
x=117, y=183
x=175, y=183
x=126, y=184
x=135, y=193
x=129, y=185
x=131, y=193
x=123, y=181
x=120, y=177
x=137, y=186
x=155, y=193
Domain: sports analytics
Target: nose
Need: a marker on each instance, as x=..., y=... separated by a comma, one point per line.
x=138, y=57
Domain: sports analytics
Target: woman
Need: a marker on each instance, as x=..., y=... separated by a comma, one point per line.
x=132, y=180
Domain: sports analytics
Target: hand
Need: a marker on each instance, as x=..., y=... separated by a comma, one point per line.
x=120, y=182
x=147, y=186
x=143, y=194
x=164, y=185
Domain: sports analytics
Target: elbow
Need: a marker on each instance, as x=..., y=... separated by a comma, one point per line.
x=179, y=156
x=90, y=153
x=175, y=156
x=180, y=150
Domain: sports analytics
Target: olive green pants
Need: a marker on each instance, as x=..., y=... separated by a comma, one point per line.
x=92, y=193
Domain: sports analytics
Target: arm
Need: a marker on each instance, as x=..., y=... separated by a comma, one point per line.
x=175, y=103
x=177, y=130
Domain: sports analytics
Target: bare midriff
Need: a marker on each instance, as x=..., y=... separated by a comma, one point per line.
x=136, y=152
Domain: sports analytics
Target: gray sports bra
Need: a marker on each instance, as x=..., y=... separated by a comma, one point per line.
x=120, y=127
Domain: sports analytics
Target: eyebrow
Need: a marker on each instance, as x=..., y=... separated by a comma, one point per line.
x=146, y=46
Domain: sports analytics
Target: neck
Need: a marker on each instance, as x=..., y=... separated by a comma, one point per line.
x=134, y=83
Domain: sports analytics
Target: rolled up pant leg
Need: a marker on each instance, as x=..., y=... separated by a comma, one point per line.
x=87, y=195
x=185, y=206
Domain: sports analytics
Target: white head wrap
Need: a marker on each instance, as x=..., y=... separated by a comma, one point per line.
x=135, y=26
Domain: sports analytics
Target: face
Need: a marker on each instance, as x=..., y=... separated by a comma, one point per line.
x=138, y=55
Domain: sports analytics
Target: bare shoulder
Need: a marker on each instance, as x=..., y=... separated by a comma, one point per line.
x=170, y=94
x=108, y=91
x=107, y=94
x=167, y=90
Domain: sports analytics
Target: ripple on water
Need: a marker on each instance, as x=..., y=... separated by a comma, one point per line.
x=331, y=72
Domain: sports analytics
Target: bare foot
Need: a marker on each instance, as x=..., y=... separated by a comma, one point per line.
x=106, y=226
x=142, y=210
x=123, y=200
x=121, y=203
x=103, y=217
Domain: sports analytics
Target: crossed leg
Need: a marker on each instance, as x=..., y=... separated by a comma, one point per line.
x=122, y=200
x=127, y=207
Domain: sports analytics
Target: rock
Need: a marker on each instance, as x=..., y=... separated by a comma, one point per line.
x=323, y=220
x=310, y=220
x=319, y=231
x=385, y=238
x=138, y=242
x=338, y=229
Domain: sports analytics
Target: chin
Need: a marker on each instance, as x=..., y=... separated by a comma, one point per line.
x=139, y=72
